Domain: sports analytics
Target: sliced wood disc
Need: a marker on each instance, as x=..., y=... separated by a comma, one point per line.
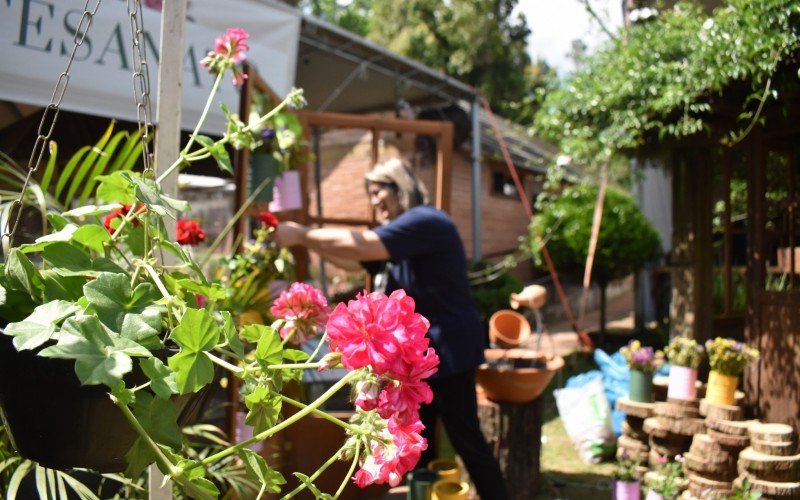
x=634, y=427
x=697, y=464
x=737, y=442
x=770, y=488
x=720, y=412
x=683, y=426
x=688, y=403
x=660, y=387
x=732, y=427
x=780, y=449
x=704, y=487
x=674, y=410
x=769, y=467
x=634, y=408
x=773, y=433
x=630, y=443
x=710, y=449
x=653, y=427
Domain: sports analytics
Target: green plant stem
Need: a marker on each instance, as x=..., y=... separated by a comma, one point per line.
x=330, y=418
x=315, y=475
x=232, y=222
x=293, y=366
x=162, y=460
x=319, y=346
x=350, y=471
x=153, y=274
x=221, y=362
x=279, y=427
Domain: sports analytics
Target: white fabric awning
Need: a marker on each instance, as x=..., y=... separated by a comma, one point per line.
x=36, y=38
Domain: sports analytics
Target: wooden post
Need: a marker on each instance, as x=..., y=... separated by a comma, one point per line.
x=168, y=137
x=514, y=432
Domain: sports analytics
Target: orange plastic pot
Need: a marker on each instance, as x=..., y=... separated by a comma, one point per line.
x=501, y=382
x=508, y=328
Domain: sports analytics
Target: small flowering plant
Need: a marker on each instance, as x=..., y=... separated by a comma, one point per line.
x=101, y=291
x=728, y=356
x=683, y=351
x=627, y=468
x=668, y=480
x=642, y=358
x=251, y=275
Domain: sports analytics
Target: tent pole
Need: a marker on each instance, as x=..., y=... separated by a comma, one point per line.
x=477, y=253
x=168, y=137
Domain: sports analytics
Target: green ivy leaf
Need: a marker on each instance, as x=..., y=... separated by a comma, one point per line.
x=113, y=300
x=115, y=187
x=162, y=379
x=257, y=469
x=22, y=274
x=231, y=335
x=92, y=236
x=57, y=221
x=218, y=151
x=91, y=210
x=158, y=418
x=212, y=291
x=41, y=325
x=184, y=256
x=269, y=349
x=264, y=407
x=101, y=357
x=196, y=333
x=62, y=235
x=58, y=287
x=311, y=487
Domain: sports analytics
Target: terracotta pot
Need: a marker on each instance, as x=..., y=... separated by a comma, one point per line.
x=682, y=382
x=508, y=328
x=502, y=382
x=627, y=490
x=449, y=490
x=721, y=389
x=446, y=468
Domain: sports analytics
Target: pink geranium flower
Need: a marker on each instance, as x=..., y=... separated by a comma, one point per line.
x=304, y=309
x=388, y=463
x=229, y=49
x=403, y=399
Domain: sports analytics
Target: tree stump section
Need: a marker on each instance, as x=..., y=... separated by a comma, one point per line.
x=514, y=432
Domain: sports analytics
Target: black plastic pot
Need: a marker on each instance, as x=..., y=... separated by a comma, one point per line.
x=55, y=421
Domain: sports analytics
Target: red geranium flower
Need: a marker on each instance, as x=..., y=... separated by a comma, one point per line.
x=120, y=213
x=189, y=232
x=268, y=219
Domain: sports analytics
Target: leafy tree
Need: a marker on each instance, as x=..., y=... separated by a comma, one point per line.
x=626, y=240
x=479, y=42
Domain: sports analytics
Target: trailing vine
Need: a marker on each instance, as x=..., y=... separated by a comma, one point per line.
x=663, y=78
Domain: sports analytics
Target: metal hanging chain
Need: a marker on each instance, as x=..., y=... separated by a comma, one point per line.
x=141, y=81
x=49, y=117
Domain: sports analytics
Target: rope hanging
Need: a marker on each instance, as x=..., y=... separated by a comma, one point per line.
x=582, y=335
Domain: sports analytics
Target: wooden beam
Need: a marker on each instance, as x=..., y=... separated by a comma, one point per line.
x=341, y=120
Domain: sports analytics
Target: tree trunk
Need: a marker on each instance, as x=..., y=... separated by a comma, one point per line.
x=514, y=432
x=603, y=315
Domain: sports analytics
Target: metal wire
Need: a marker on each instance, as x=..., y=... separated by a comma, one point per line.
x=48, y=121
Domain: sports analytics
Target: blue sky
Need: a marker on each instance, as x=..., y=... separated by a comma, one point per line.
x=556, y=23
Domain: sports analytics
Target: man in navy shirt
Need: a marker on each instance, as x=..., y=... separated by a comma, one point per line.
x=418, y=249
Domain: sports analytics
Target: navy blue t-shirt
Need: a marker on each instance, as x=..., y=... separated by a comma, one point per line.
x=429, y=263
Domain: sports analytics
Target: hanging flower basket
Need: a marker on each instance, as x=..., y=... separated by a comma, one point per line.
x=55, y=421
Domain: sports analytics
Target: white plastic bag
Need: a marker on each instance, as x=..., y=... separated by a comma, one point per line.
x=587, y=419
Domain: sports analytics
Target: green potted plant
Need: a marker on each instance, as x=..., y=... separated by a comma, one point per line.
x=139, y=338
x=727, y=359
x=642, y=361
x=684, y=356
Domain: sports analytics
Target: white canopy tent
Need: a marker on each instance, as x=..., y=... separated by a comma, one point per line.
x=36, y=36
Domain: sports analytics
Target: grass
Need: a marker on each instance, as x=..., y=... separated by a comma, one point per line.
x=564, y=475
